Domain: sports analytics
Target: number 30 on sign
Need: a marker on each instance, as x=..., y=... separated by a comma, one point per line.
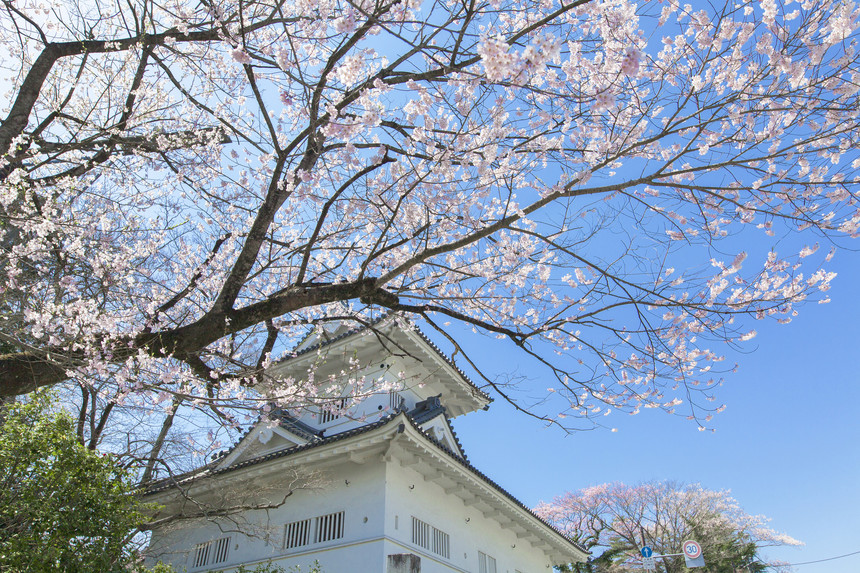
x=693, y=554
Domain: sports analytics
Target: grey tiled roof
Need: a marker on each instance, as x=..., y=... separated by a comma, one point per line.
x=328, y=341
x=451, y=363
x=466, y=464
x=428, y=409
x=211, y=469
x=297, y=427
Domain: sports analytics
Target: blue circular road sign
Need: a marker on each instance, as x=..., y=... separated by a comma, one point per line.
x=646, y=551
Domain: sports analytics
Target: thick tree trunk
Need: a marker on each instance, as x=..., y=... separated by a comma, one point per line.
x=25, y=372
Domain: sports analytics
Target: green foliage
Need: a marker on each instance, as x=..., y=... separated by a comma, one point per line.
x=267, y=567
x=729, y=552
x=63, y=507
x=272, y=568
x=157, y=568
x=314, y=568
x=606, y=562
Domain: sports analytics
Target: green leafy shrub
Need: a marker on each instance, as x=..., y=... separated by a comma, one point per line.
x=63, y=507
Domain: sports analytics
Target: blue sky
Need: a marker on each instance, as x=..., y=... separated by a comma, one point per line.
x=787, y=446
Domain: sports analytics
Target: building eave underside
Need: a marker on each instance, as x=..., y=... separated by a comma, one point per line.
x=398, y=439
x=459, y=478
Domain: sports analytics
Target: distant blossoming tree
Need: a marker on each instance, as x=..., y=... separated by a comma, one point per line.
x=187, y=187
x=615, y=521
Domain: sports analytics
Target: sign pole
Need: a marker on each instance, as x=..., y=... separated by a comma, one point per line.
x=691, y=550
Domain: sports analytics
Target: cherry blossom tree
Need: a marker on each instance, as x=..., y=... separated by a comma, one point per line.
x=614, y=189
x=618, y=520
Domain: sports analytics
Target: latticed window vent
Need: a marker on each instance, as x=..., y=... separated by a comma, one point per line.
x=314, y=530
x=297, y=533
x=211, y=552
x=334, y=412
x=486, y=564
x=394, y=400
x=329, y=527
x=426, y=536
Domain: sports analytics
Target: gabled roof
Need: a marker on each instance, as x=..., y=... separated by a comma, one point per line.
x=308, y=345
x=211, y=469
x=398, y=421
x=423, y=412
x=296, y=426
x=430, y=409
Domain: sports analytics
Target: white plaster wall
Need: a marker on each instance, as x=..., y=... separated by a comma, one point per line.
x=428, y=502
x=368, y=410
x=362, y=544
x=379, y=503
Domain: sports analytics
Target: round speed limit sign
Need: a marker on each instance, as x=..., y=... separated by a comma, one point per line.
x=692, y=549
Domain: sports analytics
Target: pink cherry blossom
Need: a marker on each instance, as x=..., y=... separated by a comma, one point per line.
x=617, y=190
x=241, y=56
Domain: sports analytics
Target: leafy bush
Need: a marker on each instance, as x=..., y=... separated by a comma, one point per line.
x=63, y=507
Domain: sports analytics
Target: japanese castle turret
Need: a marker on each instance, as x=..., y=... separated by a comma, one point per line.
x=357, y=485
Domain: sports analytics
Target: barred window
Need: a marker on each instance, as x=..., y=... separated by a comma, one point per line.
x=420, y=533
x=441, y=543
x=332, y=410
x=426, y=536
x=329, y=527
x=297, y=533
x=211, y=552
x=314, y=530
x=486, y=564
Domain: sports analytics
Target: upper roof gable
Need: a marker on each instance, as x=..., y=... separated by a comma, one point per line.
x=264, y=438
x=393, y=340
x=431, y=416
x=325, y=334
x=283, y=432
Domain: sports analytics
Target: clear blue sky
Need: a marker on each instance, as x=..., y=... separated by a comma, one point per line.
x=787, y=446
